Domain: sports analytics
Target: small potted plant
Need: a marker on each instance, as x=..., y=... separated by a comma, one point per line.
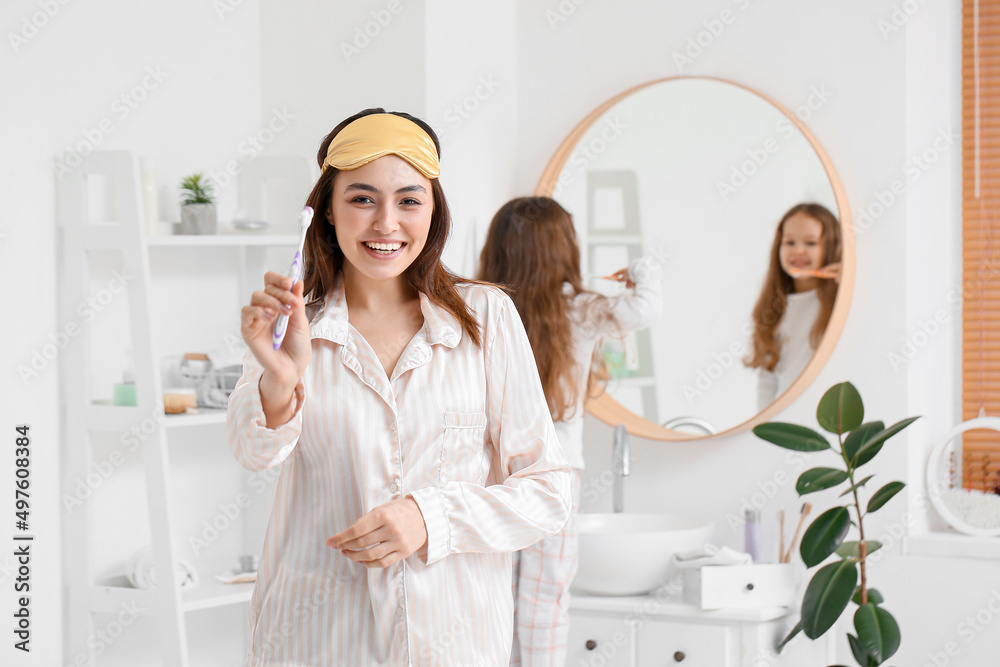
x=198, y=214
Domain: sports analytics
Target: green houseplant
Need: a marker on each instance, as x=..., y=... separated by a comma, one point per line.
x=834, y=586
x=198, y=214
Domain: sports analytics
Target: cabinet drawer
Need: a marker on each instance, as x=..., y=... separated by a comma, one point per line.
x=599, y=640
x=740, y=586
x=663, y=644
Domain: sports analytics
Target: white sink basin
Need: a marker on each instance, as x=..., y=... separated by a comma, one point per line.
x=628, y=553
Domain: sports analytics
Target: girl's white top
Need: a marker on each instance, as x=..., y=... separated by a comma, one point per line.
x=800, y=314
x=464, y=430
x=631, y=311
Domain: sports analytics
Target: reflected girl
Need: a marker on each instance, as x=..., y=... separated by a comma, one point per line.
x=794, y=307
x=531, y=248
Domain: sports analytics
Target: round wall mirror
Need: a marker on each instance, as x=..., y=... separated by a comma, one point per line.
x=695, y=173
x=962, y=482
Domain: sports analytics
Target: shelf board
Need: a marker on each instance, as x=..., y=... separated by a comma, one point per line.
x=228, y=240
x=203, y=416
x=104, y=416
x=210, y=593
x=951, y=544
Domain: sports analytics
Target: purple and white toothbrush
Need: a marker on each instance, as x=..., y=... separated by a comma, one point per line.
x=282, y=324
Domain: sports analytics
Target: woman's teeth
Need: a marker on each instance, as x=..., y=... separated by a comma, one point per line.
x=384, y=247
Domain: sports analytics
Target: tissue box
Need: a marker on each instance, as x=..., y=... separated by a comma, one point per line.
x=740, y=586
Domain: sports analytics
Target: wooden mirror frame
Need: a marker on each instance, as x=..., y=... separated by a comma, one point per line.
x=610, y=411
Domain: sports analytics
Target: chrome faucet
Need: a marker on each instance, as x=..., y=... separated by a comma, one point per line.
x=620, y=465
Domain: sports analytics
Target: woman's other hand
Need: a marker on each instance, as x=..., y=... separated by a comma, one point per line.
x=393, y=531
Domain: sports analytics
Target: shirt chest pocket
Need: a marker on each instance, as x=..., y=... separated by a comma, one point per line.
x=463, y=448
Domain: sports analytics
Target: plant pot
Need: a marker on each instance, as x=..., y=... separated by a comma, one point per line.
x=198, y=219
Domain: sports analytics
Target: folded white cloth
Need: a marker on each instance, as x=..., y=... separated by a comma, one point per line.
x=709, y=555
x=141, y=574
x=237, y=577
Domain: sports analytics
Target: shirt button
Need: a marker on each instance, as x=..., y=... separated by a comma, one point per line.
x=393, y=488
x=392, y=426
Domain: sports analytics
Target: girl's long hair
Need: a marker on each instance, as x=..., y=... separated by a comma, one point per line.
x=531, y=250
x=773, y=301
x=324, y=260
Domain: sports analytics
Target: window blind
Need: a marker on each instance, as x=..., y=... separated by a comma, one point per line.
x=980, y=452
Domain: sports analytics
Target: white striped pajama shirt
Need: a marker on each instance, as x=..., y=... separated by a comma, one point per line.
x=464, y=430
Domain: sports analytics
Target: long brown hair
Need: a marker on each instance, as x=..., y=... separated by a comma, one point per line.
x=531, y=250
x=324, y=260
x=773, y=301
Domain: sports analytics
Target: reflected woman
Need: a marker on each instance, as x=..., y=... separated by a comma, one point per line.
x=794, y=307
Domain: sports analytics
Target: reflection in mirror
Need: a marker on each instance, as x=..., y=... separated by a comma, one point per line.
x=796, y=301
x=697, y=174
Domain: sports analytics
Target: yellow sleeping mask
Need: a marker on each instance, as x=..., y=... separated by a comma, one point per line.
x=371, y=137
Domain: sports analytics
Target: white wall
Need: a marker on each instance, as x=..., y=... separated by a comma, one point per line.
x=890, y=94
x=62, y=88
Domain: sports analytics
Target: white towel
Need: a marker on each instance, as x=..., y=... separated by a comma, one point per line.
x=709, y=555
x=142, y=575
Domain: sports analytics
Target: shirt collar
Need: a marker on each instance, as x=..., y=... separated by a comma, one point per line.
x=331, y=320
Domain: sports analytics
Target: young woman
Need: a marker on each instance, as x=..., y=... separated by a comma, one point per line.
x=531, y=249
x=410, y=419
x=795, y=304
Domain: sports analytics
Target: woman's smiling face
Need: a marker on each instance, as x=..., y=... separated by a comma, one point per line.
x=382, y=213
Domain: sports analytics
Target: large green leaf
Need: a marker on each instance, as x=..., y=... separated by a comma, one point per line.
x=791, y=436
x=873, y=596
x=850, y=549
x=840, y=410
x=856, y=485
x=871, y=447
x=825, y=534
x=858, y=650
x=878, y=632
x=857, y=437
x=796, y=630
x=827, y=596
x=884, y=495
x=817, y=479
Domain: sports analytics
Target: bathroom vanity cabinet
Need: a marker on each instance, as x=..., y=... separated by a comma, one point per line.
x=654, y=631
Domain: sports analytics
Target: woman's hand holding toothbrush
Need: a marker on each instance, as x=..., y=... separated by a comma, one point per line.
x=284, y=367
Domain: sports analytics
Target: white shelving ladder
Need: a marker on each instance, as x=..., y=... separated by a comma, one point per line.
x=127, y=235
x=630, y=238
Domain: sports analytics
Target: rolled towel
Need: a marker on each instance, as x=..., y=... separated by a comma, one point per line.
x=709, y=555
x=142, y=575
